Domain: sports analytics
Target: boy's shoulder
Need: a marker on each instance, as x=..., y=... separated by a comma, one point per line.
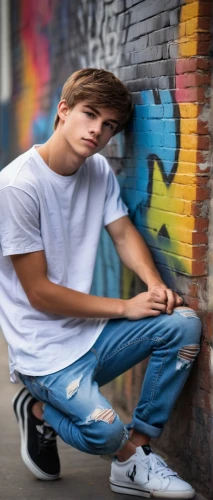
x=99, y=164
x=20, y=173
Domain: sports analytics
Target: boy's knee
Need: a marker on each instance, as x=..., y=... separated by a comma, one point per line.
x=188, y=331
x=190, y=323
x=106, y=432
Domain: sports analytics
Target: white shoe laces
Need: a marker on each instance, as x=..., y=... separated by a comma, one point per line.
x=158, y=466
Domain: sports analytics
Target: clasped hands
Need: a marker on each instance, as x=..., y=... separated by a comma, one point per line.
x=157, y=300
x=166, y=296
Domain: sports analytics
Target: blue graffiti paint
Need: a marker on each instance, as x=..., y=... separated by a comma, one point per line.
x=4, y=134
x=42, y=125
x=151, y=136
x=106, y=281
x=152, y=133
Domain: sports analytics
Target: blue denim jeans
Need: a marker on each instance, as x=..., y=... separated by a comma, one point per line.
x=83, y=417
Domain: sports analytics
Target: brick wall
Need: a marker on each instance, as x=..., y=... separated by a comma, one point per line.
x=161, y=50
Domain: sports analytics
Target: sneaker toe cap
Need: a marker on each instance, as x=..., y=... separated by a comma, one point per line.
x=177, y=484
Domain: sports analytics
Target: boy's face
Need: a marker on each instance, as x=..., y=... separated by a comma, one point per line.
x=86, y=128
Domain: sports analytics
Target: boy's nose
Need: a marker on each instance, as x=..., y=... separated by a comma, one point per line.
x=96, y=129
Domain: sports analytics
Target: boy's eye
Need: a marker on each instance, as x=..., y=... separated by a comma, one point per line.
x=108, y=124
x=88, y=113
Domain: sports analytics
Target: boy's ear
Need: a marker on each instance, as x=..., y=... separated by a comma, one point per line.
x=62, y=110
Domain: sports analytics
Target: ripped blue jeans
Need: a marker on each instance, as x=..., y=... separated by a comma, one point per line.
x=83, y=417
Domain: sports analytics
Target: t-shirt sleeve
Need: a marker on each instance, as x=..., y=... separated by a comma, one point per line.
x=114, y=206
x=19, y=222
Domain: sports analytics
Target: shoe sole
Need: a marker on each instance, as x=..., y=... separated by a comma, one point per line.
x=19, y=404
x=137, y=491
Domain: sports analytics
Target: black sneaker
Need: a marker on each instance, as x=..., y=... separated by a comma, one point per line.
x=38, y=439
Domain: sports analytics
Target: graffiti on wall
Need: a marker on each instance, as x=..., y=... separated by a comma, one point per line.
x=155, y=153
x=104, y=32
x=159, y=166
x=86, y=36
x=33, y=50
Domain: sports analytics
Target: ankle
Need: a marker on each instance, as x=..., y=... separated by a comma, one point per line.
x=138, y=439
x=127, y=451
x=37, y=410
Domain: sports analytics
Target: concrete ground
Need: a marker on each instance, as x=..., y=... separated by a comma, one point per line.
x=84, y=476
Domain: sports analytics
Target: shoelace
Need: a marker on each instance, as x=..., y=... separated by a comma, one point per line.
x=47, y=436
x=157, y=465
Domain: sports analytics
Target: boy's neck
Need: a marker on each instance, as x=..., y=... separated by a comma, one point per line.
x=58, y=157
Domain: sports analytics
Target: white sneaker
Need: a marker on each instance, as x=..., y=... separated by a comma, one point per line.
x=147, y=475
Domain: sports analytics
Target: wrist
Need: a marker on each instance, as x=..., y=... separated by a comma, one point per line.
x=153, y=278
x=122, y=308
x=156, y=282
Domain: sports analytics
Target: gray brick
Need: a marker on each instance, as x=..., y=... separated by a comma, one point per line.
x=166, y=51
x=154, y=24
x=174, y=16
x=162, y=36
x=137, y=98
x=119, y=6
x=129, y=4
x=174, y=50
x=163, y=82
x=147, y=10
x=128, y=73
x=146, y=55
x=142, y=42
x=126, y=20
x=133, y=32
x=121, y=20
x=125, y=59
x=158, y=68
x=139, y=44
x=123, y=36
x=144, y=70
x=142, y=84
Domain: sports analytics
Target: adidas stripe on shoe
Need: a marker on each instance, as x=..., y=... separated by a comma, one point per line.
x=38, y=439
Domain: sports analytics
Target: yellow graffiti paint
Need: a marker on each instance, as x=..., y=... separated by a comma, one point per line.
x=188, y=126
x=188, y=35
x=188, y=110
x=189, y=11
x=128, y=278
x=165, y=203
x=180, y=225
x=176, y=190
x=26, y=103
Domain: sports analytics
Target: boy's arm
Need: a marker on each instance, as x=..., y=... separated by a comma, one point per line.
x=135, y=254
x=44, y=295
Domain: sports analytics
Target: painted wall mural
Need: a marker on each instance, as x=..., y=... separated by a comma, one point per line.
x=161, y=152
x=86, y=35
x=158, y=155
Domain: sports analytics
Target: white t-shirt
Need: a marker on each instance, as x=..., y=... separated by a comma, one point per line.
x=62, y=215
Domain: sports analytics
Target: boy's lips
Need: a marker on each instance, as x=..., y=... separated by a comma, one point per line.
x=91, y=141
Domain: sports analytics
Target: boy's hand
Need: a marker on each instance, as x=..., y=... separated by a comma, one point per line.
x=157, y=300
x=145, y=304
x=167, y=296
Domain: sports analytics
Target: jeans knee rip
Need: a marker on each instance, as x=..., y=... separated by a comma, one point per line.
x=186, y=356
x=72, y=388
x=101, y=414
x=186, y=312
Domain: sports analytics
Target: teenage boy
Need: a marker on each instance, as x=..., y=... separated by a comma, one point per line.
x=65, y=343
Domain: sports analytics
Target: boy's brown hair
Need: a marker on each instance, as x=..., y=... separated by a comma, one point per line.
x=99, y=88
